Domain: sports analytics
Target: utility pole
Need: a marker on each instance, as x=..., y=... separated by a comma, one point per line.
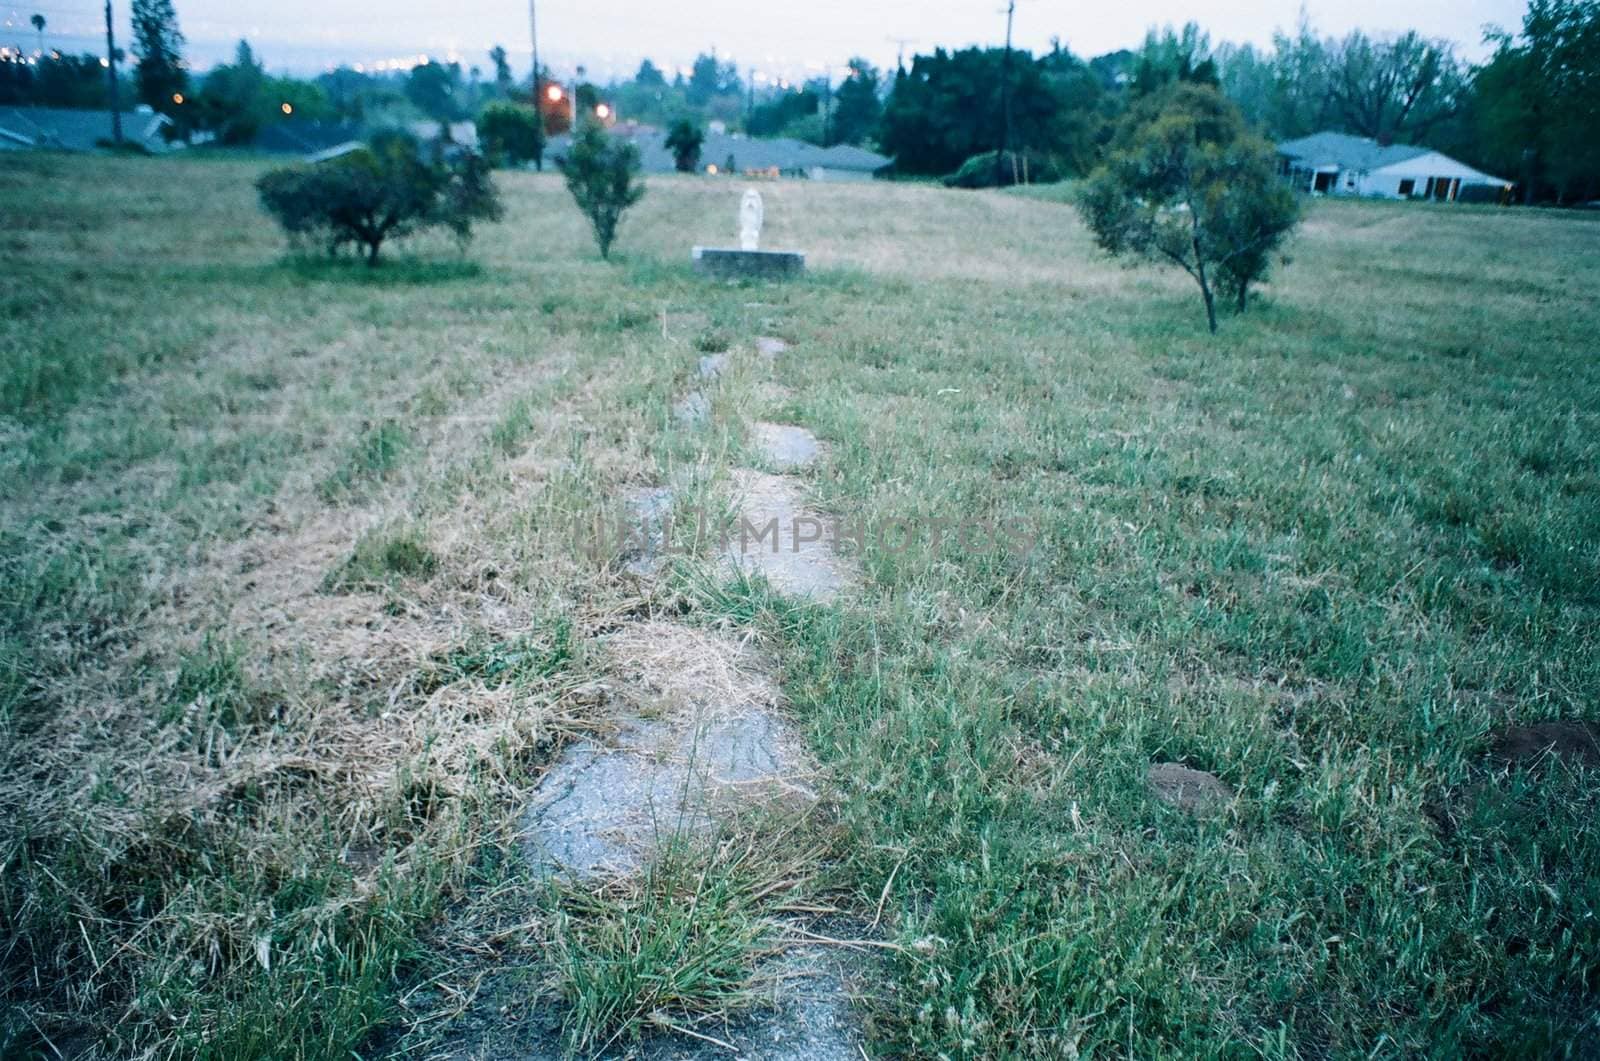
x=900, y=53
x=533, y=33
x=1005, y=102
x=750, y=98
x=827, y=105
x=111, y=75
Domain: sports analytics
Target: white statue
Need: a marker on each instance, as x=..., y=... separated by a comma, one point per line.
x=750, y=213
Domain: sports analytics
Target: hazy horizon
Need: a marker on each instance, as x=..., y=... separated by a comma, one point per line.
x=610, y=37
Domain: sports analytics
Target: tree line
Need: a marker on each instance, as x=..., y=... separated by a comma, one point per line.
x=1527, y=113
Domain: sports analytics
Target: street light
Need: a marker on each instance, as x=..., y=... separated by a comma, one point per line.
x=553, y=93
x=177, y=97
x=287, y=108
x=602, y=112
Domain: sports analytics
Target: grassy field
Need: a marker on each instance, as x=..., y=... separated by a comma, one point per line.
x=292, y=618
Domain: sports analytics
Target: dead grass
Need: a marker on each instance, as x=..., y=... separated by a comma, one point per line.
x=258, y=775
x=691, y=669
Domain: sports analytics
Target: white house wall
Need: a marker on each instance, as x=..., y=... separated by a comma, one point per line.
x=1382, y=185
x=1434, y=164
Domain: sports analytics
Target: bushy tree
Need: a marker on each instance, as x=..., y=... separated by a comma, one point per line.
x=684, y=141
x=1405, y=88
x=1536, y=112
x=783, y=110
x=1300, y=100
x=1170, y=56
x=348, y=93
x=1395, y=89
x=381, y=192
x=602, y=174
x=469, y=196
x=511, y=133
x=436, y=90
x=711, y=77
x=1187, y=183
x=76, y=81
x=158, y=44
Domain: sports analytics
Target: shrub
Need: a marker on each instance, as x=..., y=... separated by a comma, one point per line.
x=601, y=172
x=979, y=170
x=684, y=141
x=1187, y=183
x=511, y=133
x=384, y=191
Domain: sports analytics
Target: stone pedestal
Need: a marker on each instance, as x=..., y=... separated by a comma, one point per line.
x=727, y=263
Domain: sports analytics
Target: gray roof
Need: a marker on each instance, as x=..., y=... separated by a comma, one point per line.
x=304, y=136
x=59, y=129
x=1321, y=150
x=788, y=156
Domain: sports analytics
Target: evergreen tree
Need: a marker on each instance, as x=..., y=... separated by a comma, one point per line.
x=684, y=141
x=502, y=71
x=942, y=112
x=650, y=75
x=157, y=42
x=857, y=107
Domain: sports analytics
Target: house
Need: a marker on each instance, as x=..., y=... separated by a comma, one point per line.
x=740, y=155
x=303, y=136
x=59, y=129
x=1337, y=164
x=463, y=134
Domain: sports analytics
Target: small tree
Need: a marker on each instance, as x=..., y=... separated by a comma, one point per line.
x=601, y=174
x=684, y=141
x=1187, y=183
x=511, y=133
x=381, y=192
x=469, y=197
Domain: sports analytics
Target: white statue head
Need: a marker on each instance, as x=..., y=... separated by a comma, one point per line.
x=750, y=215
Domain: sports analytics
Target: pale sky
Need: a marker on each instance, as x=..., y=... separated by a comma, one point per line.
x=780, y=38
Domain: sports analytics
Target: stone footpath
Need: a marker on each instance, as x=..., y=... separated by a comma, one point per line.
x=702, y=733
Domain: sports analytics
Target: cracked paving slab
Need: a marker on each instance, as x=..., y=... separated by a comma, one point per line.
x=779, y=537
x=785, y=446
x=706, y=737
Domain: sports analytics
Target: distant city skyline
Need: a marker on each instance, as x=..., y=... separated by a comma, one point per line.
x=611, y=37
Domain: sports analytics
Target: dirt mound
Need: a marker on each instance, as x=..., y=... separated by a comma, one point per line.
x=1573, y=742
x=1194, y=791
